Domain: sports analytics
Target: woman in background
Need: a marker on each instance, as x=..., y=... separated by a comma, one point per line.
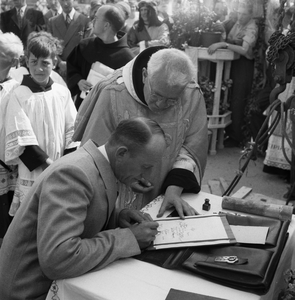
x=148, y=30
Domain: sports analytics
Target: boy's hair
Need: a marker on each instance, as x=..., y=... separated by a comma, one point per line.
x=43, y=44
x=11, y=47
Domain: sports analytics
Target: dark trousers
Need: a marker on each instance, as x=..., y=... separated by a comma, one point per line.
x=242, y=72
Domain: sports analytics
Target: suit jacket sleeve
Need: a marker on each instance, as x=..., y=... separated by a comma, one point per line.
x=65, y=197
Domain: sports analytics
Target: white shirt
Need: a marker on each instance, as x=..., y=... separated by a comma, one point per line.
x=71, y=14
x=103, y=151
x=22, y=10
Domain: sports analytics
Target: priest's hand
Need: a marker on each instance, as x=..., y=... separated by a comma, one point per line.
x=173, y=199
x=84, y=85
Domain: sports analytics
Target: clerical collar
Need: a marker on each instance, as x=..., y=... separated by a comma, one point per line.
x=34, y=86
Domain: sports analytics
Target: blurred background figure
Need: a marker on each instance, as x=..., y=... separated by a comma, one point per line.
x=41, y=5
x=70, y=27
x=22, y=20
x=94, y=6
x=54, y=9
x=5, y=5
x=148, y=30
x=165, y=12
x=125, y=7
x=220, y=9
x=240, y=38
x=134, y=14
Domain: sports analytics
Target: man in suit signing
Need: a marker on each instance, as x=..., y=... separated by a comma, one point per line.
x=21, y=20
x=68, y=225
x=70, y=27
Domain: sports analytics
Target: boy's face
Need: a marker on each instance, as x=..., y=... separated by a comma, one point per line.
x=40, y=68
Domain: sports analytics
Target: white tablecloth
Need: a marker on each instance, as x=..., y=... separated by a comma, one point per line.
x=130, y=279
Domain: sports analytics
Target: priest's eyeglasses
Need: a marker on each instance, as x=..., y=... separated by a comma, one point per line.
x=169, y=101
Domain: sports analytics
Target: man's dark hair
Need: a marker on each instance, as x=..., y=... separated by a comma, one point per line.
x=114, y=15
x=135, y=133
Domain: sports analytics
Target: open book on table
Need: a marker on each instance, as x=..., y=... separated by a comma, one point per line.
x=201, y=230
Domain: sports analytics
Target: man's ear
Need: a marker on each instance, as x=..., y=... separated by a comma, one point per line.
x=144, y=75
x=15, y=63
x=121, y=153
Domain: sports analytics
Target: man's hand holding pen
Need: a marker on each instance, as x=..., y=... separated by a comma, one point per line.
x=141, y=224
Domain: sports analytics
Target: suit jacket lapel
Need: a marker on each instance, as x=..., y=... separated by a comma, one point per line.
x=25, y=19
x=13, y=16
x=61, y=25
x=71, y=30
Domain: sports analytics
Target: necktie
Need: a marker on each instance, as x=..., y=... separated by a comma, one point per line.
x=19, y=18
x=68, y=20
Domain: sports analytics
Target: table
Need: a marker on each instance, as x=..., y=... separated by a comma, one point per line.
x=133, y=279
x=222, y=58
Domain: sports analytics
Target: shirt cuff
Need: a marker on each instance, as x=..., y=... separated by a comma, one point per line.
x=183, y=178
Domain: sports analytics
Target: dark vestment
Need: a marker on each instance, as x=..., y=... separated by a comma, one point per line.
x=91, y=50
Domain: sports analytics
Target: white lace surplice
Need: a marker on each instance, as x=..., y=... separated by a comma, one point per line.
x=7, y=178
x=45, y=119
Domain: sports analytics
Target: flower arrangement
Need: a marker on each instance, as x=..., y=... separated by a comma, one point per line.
x=289, y=292
x=208, y=88
x=189, y=21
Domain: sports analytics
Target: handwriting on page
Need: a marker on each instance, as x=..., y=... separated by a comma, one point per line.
x=188, y=230
x=179, y=232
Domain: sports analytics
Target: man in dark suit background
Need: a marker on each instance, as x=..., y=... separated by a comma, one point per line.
x=54, y=10
x=22, y=20
x=70, y=27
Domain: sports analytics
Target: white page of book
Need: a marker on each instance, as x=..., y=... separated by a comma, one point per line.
x=250, y=234
x=193, y=231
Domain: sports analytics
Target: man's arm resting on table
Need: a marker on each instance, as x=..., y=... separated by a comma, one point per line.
x=62, y=250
